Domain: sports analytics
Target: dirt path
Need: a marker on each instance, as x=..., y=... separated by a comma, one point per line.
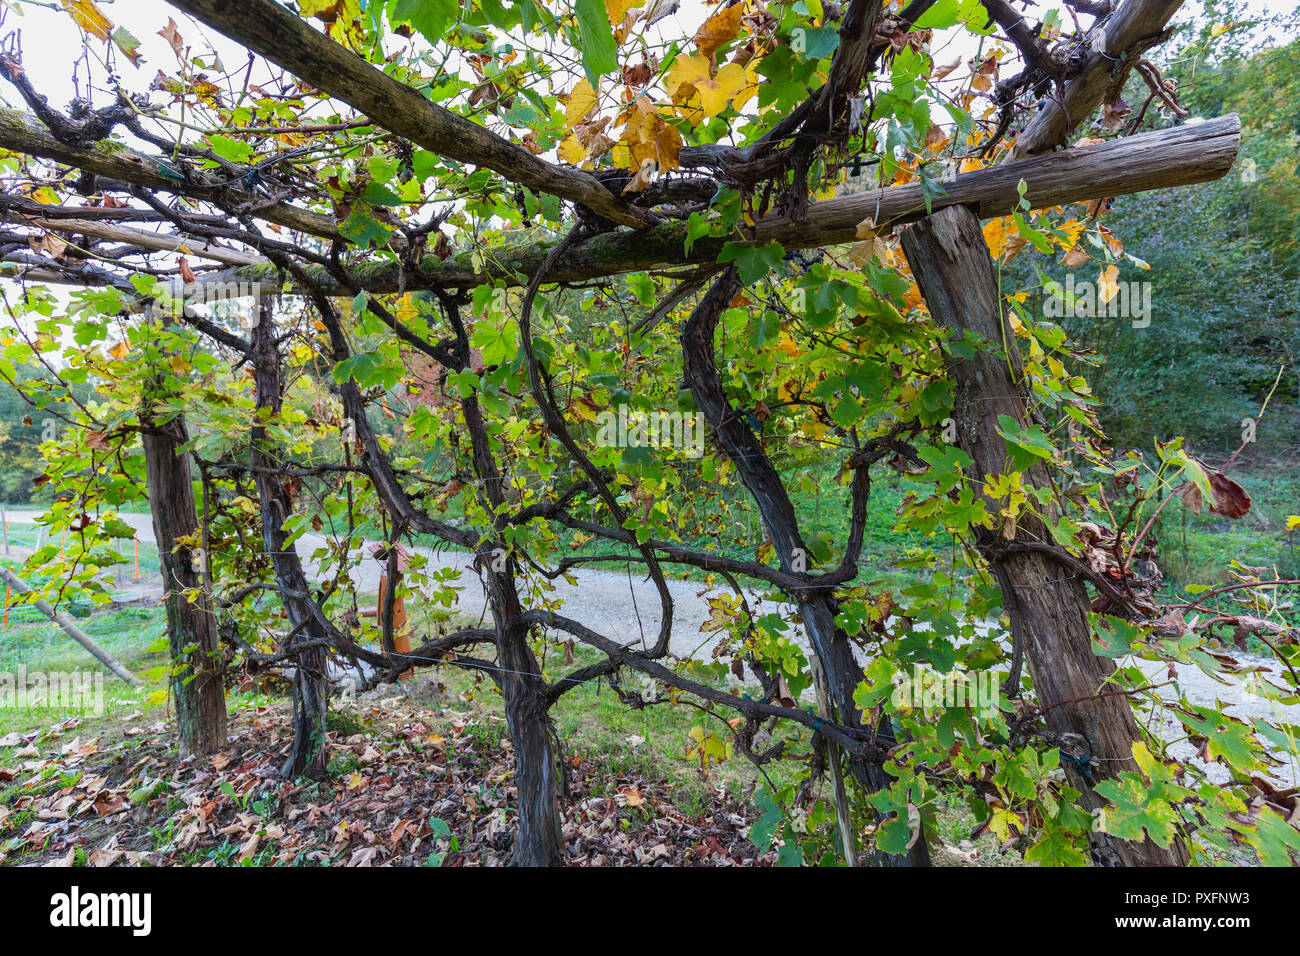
x=626, y=606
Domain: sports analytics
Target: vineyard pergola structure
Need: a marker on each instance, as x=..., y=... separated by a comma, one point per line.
x=423, y=202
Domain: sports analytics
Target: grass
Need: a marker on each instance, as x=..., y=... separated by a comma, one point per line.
x=1197, y=548
x=133, y=635
x=822, y=504
x=650, y=743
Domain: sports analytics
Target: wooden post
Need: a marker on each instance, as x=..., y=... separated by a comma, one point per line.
x=70, y=627
x=1047, y=606
x=848, y=838
x=401, y=633
x=136, y=576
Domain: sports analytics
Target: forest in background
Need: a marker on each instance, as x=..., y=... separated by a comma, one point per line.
x=1223, y=260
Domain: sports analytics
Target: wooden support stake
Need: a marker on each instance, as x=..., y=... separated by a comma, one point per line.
x=848, y=838
x=69, y=627
x=1048, y=607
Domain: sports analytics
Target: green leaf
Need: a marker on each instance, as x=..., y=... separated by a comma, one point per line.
x=697, y=226
x=791, y=853
x=599, y=53
x=944, y=13
x=363, y=228
x=1056, y=848
x=1113, y=637
x=367, y=369
x=1273, y=838
x=227, y=147
x=127, y=43
x=764, y=828
x=753, y=262
x=147, y=792
x=1227, y=739
x=430, y=17
x=499, y=343
x=1025, y=445
x=892, y=834
x=1138, y=806
x=819, y=42
x=377, y=194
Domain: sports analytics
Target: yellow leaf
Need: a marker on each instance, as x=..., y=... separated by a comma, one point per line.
x=342, y=19
x=869, y=245
x=618, y=8
x=581, y=101
x=995, y=235
x=719, y=29
x=89, y=17
x=788, y=345
x=651, y=145
x=1073, y=229
x=1107, y=285
x=44, y=195
x=584, y=408
x=570, y=150
x=119, y=351
x=1003, y=822
x=407, y=309
x=692, y=75
x=1292, y=522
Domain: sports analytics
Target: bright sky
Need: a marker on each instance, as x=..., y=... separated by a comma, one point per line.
x=52, y=57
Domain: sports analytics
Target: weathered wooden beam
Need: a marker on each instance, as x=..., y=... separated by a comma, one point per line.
x=24, y=133
x=1119, y=39
x=280, y=35
x=1180, y=156
x=163, y=242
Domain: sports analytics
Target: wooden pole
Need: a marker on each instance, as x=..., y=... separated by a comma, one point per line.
x=70, y=628
x=1047, y=605
x=150, y=240
x=401, y=633
x=848, y=838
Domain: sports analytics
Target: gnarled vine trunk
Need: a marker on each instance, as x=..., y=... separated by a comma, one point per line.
x=197, y=691
x=539, y=840
x=816, y=607
x=196, y=684
x=308, y=754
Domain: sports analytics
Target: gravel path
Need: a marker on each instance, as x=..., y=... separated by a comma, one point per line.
x=626, y=607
